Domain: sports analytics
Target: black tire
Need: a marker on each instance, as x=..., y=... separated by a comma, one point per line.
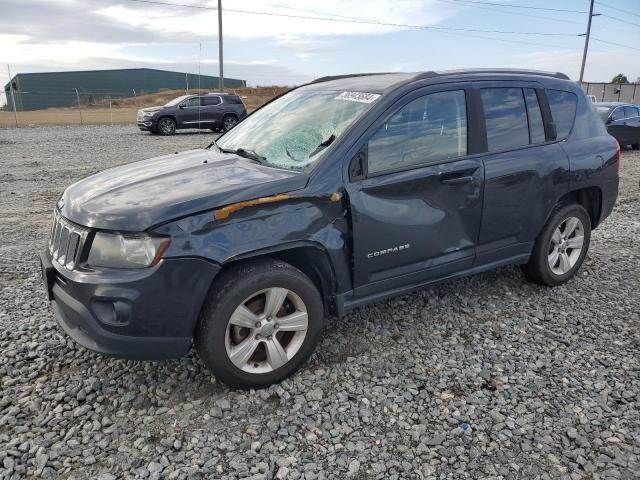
x=229, y=121
x=166, y=126
x=538, y=269
x=229, y=292
x=636, y=146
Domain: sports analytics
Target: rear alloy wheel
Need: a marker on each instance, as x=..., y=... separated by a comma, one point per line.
x=566, y=245
x=166, y=126
x=228, y=122
x=260, y=323
x=561, y=246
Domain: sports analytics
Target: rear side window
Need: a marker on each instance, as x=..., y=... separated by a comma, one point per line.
x=505, y=117
x=630, y=112
x=233, y=99
x=563, y=110
x=211, y=100
x=426, y=131
x=618, y=114
x=536, y=126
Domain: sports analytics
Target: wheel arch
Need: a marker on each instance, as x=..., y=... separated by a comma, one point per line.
x=170, y=115
x=310, y=257
x=167, y=115
x=590, y=198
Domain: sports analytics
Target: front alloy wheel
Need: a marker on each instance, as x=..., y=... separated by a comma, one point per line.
x=266, y=330
x=260, y=323
x=167, y=126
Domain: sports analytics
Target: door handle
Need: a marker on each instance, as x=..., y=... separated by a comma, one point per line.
x=456, y=180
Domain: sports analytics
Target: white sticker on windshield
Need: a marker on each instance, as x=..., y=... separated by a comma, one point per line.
x=361, y=97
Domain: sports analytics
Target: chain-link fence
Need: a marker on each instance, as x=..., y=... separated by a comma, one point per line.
x=79, y=107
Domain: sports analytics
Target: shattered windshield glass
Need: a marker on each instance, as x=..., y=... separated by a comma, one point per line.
x=296, y=129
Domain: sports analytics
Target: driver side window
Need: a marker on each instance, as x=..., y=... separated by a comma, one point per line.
x=192, y=102
x=426, y=131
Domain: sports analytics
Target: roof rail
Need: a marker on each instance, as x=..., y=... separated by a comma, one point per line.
x=348, y=75
x=516, y=71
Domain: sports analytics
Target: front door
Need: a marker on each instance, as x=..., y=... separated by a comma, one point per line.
x=416, y=214
x=189, y=114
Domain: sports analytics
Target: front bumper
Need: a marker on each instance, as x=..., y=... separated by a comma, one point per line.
x=147, y=315
x=147, y=124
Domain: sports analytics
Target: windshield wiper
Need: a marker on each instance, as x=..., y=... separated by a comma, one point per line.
x=246, y=153
x=323, y=145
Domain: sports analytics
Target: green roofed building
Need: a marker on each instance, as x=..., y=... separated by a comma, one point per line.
x=36, y=91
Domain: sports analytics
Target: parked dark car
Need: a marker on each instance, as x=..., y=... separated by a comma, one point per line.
x=342, y=192
x=622, y=121
x=215, y=111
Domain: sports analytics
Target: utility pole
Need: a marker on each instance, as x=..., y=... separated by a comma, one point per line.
x=586, y=40
x=13, y=98
x=220, y=61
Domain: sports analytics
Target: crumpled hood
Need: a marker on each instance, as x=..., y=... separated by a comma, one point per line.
x=139, y=195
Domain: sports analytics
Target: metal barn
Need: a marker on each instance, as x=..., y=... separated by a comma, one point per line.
x=36, y=91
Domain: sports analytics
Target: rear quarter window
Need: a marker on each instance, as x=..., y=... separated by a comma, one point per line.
x=563, y=110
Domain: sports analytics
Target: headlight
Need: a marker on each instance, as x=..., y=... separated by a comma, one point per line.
x=148, y=114
x=126, y=251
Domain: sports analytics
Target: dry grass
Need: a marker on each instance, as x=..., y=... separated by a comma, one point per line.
x=123, y=110
x=70, y=116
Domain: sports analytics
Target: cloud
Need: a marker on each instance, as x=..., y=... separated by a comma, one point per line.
x=47, y=35
x=240, y=22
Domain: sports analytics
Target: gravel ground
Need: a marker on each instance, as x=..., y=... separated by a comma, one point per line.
x=486, y=377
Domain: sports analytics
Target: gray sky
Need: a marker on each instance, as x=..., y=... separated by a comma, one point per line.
x=50, y=35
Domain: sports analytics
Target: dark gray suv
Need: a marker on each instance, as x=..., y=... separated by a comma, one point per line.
x=339, y=193
x=215, y=111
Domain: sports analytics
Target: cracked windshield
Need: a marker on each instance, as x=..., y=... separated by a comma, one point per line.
x=295, y=130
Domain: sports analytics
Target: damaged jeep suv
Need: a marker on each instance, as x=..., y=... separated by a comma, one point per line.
x=339, y=193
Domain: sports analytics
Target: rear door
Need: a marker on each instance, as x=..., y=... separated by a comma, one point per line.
x=616, y=125
x=211, y=111
x=416, y=210
x=632, y=124
x=525, y=170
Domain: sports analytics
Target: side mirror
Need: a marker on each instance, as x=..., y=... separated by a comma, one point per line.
x=180, y=107
x=609, y=120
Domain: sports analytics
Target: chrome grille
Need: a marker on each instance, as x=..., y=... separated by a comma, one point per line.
x=66, y=241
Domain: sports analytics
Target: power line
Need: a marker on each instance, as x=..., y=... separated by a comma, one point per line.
x=522, y=42
x=618, y=9
x=507, y=12
x=496, y=4
x=614, y=43
x=442, y=1
x=359, y=20
x=344, y=19
x=627, y=22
